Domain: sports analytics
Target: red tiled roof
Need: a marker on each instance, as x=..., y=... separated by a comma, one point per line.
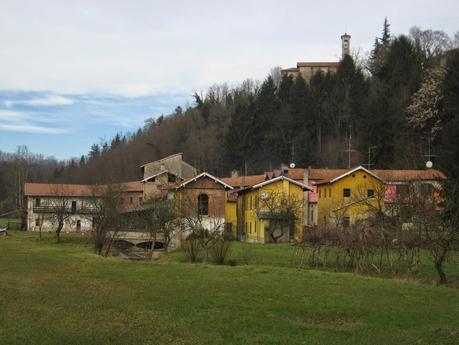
x=244, y=181
x=409, y=175
x=53, y=189
x=386, y=174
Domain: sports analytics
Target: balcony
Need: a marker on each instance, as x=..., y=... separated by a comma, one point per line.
x=55, y=209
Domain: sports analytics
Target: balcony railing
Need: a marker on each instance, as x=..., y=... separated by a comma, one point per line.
x=55, y=209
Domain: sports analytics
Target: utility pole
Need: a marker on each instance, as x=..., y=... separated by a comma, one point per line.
x=429, y=155
x=369, y=164
x=349, y=148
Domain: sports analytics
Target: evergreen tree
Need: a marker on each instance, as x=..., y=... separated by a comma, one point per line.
x=95, y=151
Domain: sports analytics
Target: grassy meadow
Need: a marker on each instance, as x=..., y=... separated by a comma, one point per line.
x=13, y=223
x=64, y=294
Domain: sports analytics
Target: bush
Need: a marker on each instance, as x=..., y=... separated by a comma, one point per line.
x=191, y=247
x=220, y=250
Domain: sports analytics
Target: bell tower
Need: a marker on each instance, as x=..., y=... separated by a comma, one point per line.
x=345, y=45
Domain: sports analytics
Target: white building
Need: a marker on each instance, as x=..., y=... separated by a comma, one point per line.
x=43, y=200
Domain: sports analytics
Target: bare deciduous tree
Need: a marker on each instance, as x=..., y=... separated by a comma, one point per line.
x=283, y=212
x=196, y=225
x=58, y=209
x=159, y=217
x=105, y=208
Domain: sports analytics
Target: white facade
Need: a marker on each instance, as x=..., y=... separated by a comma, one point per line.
x=39, y=213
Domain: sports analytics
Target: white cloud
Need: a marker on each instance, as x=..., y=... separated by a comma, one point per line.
x=25, y=122
x=47, y=100
x=144, y=47
x=24, y=128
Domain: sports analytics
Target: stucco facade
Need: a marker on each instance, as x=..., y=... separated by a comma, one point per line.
x=173, y=163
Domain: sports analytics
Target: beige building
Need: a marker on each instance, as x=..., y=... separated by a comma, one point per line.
x=308, y=69
x=44, y=199
x=174, y=164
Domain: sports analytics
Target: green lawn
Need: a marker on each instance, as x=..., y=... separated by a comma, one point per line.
x=64, y=294
x=283, y=255
x=14, y=223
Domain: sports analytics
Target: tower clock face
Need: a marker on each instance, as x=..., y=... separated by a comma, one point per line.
x=346, y=44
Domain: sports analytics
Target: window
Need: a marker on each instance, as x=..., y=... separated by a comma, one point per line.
x=346, y=192
x=203, y=204
x=131, y=200
x=37, y=221
x=250, y=227
x=250, y=202
x=370, y=193
x=320, y=193
x=329, y=192
x=74, y=206
x=255, y=227
x=346, y=222
x=256, y=201
x=312, y=216
x=170, y=178
x=140, y=199
x=37, y=202
x=78, y=224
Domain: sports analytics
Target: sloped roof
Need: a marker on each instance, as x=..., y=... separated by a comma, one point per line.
x=349, y=172
x=389, y=175
x=204, y=174
x=244, y=181
x=410, y=175
x=146, y=179
x=280, y=178
x=164, y=159
x=77, y=190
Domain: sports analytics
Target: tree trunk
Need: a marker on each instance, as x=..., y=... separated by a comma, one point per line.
x=58, y=232
x=439, y=261
x=206, y=254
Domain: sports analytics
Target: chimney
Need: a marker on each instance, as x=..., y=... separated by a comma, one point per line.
x=234, y=173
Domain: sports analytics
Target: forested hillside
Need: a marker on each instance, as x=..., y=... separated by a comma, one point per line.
x=391, y=105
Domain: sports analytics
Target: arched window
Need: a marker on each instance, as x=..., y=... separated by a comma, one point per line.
x=203, y=204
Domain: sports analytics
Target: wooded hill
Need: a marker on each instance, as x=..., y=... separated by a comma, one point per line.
x=393, y=103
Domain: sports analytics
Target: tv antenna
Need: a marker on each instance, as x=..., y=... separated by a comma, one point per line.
x=349, y=148
x=369, y=164
x=429, y=155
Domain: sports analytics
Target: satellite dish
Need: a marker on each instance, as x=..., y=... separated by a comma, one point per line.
x=429, y=164
x=264, y=196
x=292, y=165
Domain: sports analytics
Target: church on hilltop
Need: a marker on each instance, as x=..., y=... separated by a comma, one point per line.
x=308, y=69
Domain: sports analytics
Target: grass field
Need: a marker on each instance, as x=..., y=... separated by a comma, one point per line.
x=64, y=294
x=13, y=223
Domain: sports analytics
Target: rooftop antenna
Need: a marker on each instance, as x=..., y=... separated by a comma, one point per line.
x=429, y=155
x=349, y=147
x=369, y=164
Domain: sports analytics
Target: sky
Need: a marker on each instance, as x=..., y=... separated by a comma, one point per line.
x=73, y=73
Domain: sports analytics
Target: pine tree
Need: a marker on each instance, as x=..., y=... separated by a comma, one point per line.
x=95, y=151
x=385, y=38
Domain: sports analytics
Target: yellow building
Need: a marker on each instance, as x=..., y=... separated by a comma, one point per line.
x=231, y=212
x=270, y=211
x=350, y=197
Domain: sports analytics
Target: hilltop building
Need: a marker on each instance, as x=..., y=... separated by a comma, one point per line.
x=308, y=69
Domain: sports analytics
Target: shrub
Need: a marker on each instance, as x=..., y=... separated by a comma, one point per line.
x=220, y=250
x=191, y=247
